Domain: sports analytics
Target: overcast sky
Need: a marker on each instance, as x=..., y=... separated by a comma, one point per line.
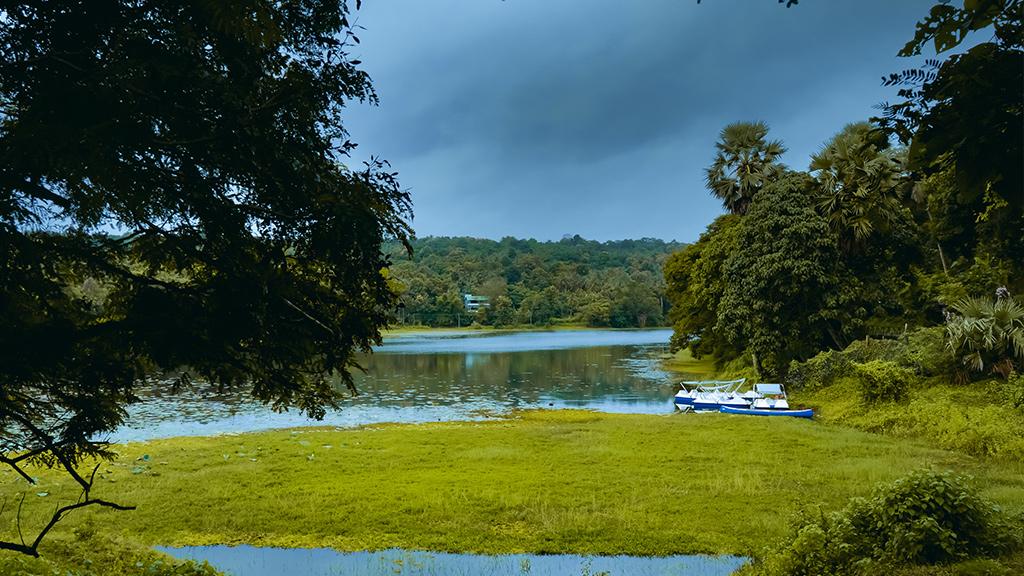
x=539, y=118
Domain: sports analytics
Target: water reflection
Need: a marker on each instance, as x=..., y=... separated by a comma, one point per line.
x=253, y=561
x=422, y=378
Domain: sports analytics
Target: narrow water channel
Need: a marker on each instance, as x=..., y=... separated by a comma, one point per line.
x=254, y=561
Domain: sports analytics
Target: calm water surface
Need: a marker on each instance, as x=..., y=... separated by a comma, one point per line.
x=252, y=561
x=445, y=376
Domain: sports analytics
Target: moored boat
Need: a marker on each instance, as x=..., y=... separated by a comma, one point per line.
x=716, y=401
x=704, y=391
x=768, y=399
x=806, y=413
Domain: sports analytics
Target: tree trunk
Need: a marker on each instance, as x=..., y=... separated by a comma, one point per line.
x=835, y=338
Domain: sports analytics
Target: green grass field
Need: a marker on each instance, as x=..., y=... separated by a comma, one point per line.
x=683, y=361
x=546, y=482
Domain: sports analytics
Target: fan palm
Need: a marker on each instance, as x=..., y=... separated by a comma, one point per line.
x=859, y=180
x=744, y=164
x=986, y=332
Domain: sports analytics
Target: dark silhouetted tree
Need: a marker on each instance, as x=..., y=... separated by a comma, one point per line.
x=188, y=158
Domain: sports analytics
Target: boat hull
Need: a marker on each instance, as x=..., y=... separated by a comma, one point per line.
x=714, y=406
x=808, y=413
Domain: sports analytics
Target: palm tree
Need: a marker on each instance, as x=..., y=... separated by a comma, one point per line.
x=984, y=332
x=860, y=180
x=745, y=163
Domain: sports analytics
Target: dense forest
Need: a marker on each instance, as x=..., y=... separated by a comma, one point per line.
x=528, y=282
x=910, y=220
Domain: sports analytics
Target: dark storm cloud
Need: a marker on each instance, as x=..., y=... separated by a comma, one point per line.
x=541, y=118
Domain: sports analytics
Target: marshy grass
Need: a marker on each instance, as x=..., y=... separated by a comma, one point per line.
x=538, y=482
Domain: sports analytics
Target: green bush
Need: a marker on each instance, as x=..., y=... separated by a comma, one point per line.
x=925, y=351
x=818, y=372
x=924, y=518
x=870, y=349
x=883, y=381
x=1014, y=388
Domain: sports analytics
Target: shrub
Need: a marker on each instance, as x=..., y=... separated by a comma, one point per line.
x=883, y=381
x=1015, y=390
x=818, y=372
x=924, y=518
x=925, y=351
x=870, y=349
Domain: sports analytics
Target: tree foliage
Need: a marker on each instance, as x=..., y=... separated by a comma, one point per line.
x=781, y=276
x=988, y=333
x=961, y=119
x=859, y=184
x=534, y=283
x=187, y=159
x=695, y=282
x=744, y=164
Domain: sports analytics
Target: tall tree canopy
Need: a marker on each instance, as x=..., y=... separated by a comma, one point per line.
x=782, y=280
x=860, y=181
x=877, y=238
x=187, y=159
x=744, y=164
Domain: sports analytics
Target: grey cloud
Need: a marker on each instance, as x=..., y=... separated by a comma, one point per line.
x=534, y=118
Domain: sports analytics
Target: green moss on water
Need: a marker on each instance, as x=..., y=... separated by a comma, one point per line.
x=540, y=482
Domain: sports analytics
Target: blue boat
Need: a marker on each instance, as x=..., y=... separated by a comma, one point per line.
x=715, y=402
x=695, y=391
x=808, y=413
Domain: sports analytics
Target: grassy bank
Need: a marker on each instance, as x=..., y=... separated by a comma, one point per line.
x=978, y=419
x=544, y=482
x=683, y=361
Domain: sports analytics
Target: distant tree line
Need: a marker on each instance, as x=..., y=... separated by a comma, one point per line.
x=528, y=282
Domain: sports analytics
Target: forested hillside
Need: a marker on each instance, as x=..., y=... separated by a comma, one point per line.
x=572, y=281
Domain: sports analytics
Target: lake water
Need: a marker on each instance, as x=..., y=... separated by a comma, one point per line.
x=438, y=376
x=447, y=376
x=253, y=561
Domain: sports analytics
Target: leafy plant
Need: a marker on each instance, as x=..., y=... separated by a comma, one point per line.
x=209, y=135
x=924, y=518
x=985, y=333
x=780, y=285
x=1015, y=390
x=883, y=381
x=820, y=371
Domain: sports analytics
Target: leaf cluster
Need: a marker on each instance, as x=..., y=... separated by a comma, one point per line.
x=987, y=333
x=924, y=518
